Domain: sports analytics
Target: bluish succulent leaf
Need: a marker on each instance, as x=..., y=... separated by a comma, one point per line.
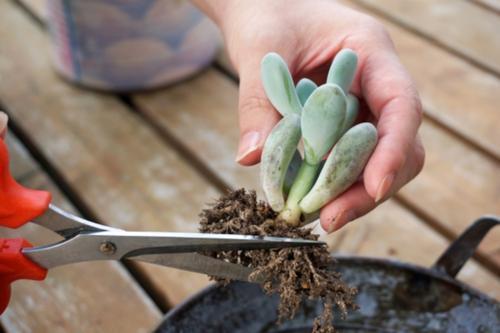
x=352, y=111
x=343, y=166
x=322, y=120
x=278, y=152
x=343, y=69
x=278, y=85
x=305, y=87
x=292, y=171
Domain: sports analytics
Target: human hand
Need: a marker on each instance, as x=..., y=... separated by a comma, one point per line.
x=308, y=35
x=3, y=124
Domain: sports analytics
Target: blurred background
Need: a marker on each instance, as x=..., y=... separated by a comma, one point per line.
x=151, y=160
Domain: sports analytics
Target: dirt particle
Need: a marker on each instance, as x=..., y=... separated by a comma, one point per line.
x=294, y=273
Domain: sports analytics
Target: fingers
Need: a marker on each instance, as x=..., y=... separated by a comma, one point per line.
x=394, y=101
x=3, y=124
x=353, y=203
x=356, y=201
x=257, y=116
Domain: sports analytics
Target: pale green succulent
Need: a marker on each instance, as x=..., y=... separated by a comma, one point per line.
x=278, y=84
x=343, y=166
x=276, y=157
x=304, y=88
x=323, y=117
x=343, y=69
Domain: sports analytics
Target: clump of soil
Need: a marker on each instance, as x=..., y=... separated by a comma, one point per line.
x=295, y=273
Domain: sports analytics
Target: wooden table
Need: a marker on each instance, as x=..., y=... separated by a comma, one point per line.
x=150, y=161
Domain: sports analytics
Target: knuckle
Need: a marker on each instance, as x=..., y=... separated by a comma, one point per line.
x=417, y=106
x=411, y=95
x=369, y=35
x=396, y=156
x=252, y=104
x=399, y=159
x=419, y=156
x=374, y=26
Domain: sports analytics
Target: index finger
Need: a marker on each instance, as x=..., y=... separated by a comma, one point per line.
x=392, y=97
x=3, y=124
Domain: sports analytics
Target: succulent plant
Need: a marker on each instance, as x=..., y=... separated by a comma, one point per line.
x=323, y=117
x=278, y=84
x=278, y=152
x=343, y=166
x=304, y=88
x=343, y=69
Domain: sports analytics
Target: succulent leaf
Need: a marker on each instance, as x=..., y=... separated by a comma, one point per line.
x=351, y=112
x=293, y=170
x=305, y=87
x=322, y=120
x=278, y=85
x=343, y=167
x=278, y=152
x=343, y=69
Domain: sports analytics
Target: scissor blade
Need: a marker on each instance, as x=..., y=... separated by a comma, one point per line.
x=176, y=242
x=198, y=263
x=116, y=245
x=67, y=224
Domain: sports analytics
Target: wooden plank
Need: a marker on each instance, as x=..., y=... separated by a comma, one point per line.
x=214, y=115
x=452, y=189
x=457, y=185
x=493, y=5
x=455, y=93
x=37, y=7
x=119, y=167
x=76, y=298
x=457, y=24
x=22, y=165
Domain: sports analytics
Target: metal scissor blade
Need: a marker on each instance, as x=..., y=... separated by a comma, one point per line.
x=116, y=245
x=67, y=224
x=138, y=243
x=199, y=263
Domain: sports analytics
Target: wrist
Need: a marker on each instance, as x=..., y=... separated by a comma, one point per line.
x=214, y=9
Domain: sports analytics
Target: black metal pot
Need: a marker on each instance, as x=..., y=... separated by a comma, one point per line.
x=393, y=297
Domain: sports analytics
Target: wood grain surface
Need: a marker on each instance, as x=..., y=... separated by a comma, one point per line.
x=153, y=165
x=459, y=25
x=120, y=169
x=87, y=297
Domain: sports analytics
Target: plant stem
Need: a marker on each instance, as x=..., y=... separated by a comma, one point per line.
x=302, y=184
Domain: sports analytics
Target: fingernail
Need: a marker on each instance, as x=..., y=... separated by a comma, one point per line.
x=340, y=220
x=249, y=144
x=317, y=229
x=384, y=187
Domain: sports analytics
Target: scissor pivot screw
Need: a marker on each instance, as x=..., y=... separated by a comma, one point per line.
x=107, y=248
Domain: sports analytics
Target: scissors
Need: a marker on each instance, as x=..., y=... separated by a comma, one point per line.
x=83, y=240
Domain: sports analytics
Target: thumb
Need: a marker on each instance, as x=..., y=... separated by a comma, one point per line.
x=3, y=124
x=257, y=116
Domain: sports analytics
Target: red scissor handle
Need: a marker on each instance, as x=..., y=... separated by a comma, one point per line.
x=18, y=204
x=14, y=266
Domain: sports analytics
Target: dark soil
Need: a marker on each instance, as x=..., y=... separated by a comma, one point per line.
x=295, y=273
